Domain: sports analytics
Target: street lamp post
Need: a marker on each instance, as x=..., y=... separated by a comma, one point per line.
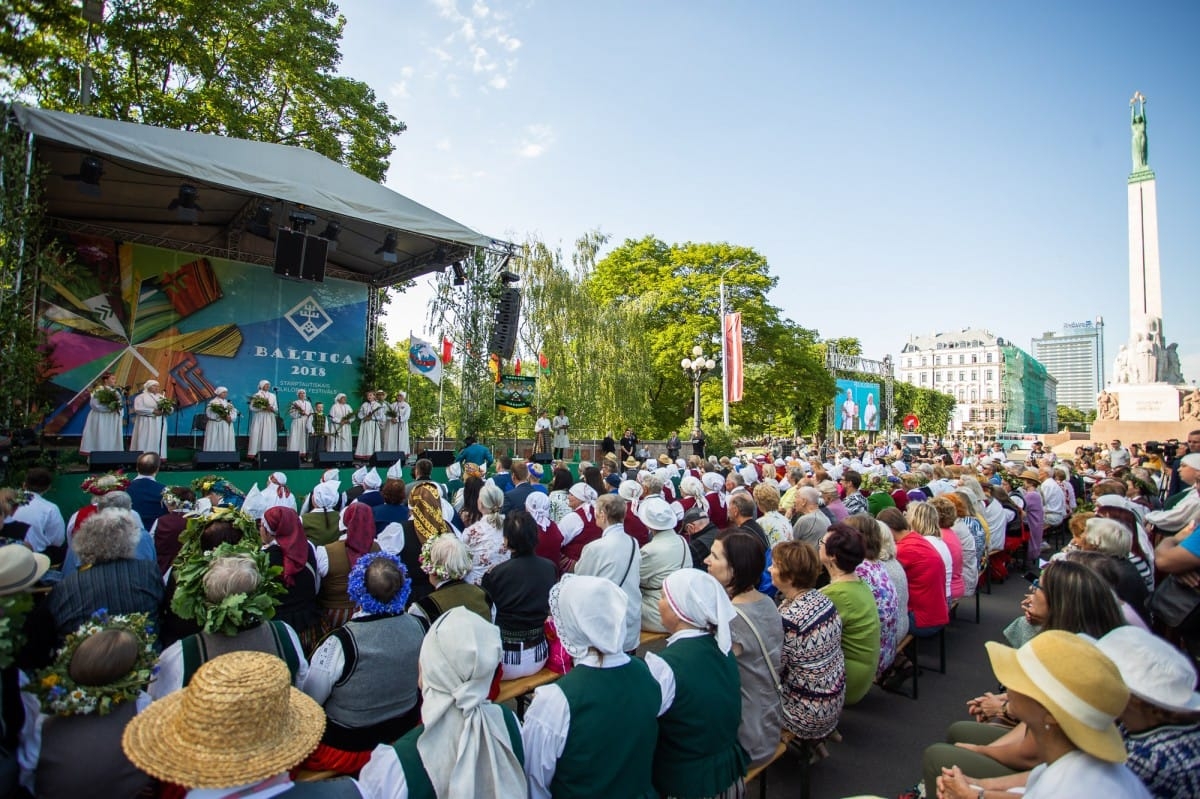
x=696, y=367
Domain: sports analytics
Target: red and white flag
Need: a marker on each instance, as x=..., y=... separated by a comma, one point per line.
x=447, y=350
x=733, y=356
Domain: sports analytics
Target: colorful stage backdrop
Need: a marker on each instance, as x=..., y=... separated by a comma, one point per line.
x=196, y=323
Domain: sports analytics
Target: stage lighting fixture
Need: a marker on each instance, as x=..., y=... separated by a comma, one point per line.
x=507, y=277
x=260, y=225
x=301, y=220
x=332, y=230
x=388, y=249
x=460, y=274
x=185, y=204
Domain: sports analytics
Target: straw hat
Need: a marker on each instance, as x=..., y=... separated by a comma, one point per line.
x=1030, y=474
x=1074, y=681
x=238, y=721
x=631, y=462
x=20, y=568
x=664, y=459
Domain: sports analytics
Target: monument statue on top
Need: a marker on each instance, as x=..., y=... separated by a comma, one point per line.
x=1146, y=358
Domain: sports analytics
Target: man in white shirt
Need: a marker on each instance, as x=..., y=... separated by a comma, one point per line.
x=47, y=528
x=1118, y=456
x=615, y=556
x=1054, y=501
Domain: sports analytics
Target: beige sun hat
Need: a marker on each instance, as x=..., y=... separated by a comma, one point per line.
x=1076, y=682
x=20, y=568
x=238, y=721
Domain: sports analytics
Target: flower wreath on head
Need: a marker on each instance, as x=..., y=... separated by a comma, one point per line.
x=60, y=695
x=231, y=495
x=357, y=588
x=236, y=612
x=189, y=547
x=427, y=565
x=100, y=484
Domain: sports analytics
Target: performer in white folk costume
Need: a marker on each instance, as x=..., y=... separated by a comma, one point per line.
x=849, y=412
x=218, y=433
x=301, y=412
x=541, y=434
x=561, y=424
x=397, y=438
x=341, y=416
x=264, y=408
x=871, y=414
x=149, y=423
x=370, y=431
x=102, y=429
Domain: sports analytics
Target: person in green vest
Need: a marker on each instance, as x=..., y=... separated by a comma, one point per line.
x=466, y=745
x=592, y=734
x=698, y=754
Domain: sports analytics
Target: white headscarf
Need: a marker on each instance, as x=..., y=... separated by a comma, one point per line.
x=699, y=600
x=396, y=472
x=331, y=476
x=582, y=492
x=629, y=490
x=713, y=481
x=358, y=475
x=371, y=480
x=691, y=487
x=325, y=495
x=465, y=745
x=256, y=503
x=538, y=505
x=589, y=613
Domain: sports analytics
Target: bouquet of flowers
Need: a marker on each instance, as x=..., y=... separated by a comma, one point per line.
x=108, y=397
x=391, y=414
x=258, y=403
x=166, y=406
x=298, y=409
x=100, y=484
x=223, y=410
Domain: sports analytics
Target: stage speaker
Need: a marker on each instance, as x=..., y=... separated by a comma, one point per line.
x=298, y=255
x=387, y=458
x=439, y=457
x=504, y=331
x=279, y=461
x=335, y=460
x=110, y=460
x=217, y=460
x=542, y=457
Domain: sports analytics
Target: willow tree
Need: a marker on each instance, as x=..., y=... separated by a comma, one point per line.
x=594, y=355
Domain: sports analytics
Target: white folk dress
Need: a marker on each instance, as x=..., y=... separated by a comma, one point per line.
x=218, y=433
x=102, y=428
x=370, y=439
x=560, y=425
x=341, y=437
x=264, y=434
x=149, y=427
x=301, y=412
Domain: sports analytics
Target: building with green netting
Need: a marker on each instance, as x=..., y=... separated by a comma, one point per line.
x=1030, y=393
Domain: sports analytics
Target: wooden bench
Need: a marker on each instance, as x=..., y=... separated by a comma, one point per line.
x=786, y=738
x=304, y=775
x=521, y=689
x=648, y=637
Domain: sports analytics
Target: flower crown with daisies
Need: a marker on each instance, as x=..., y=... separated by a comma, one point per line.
x=100, y=484
x=60, y=695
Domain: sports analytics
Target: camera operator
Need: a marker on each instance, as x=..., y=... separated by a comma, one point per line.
x=1182, y=448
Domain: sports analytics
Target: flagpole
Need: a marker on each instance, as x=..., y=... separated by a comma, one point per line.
x=441, y=395
x=408, y=358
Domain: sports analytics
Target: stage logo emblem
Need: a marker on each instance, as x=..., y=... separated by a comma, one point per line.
x=309, y=318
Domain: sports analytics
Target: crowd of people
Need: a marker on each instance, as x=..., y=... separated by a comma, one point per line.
x=208, y=642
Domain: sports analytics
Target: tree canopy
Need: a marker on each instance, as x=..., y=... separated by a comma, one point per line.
x=255, y=69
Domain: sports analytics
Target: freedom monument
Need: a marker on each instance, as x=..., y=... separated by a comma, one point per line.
x=1147, y=399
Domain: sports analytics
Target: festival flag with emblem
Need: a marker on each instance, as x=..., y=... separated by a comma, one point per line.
x=733, y=355
x=423, y=360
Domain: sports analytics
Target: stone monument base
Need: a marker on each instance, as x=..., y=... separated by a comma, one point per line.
x=1106, y=430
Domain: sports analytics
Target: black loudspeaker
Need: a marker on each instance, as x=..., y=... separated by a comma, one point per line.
x=298, y=255
x=542, y=457
x=439, y=457
x=111, y=460
x=387, y=458
x=217, y=460
x=504, y=331
x=335, y=460
x=279, y=461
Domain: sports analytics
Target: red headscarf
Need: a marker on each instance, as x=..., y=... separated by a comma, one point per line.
x=284, y=524
x=359, y=521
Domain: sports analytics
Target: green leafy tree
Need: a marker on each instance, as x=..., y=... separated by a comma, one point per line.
x=677, y=290
x=255, y=69
x=933, y=408
x=1074, y=419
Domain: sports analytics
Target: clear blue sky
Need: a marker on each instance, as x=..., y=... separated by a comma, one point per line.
x=904, y=167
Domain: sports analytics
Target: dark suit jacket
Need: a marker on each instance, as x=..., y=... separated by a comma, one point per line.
x=515, y=499
x=146, y=493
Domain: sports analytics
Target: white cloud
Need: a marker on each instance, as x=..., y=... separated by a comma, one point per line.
x=480, y=9
x=537, y=140
x=443, y=145
x=498, y=82
x=399, y=89
x=482, y=62
x=463, y=47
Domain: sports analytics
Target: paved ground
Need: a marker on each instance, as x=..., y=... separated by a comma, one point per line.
x=885, y=734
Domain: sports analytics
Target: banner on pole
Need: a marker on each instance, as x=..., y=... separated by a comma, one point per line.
x=515, y=394
x=733, y=353
x=447, y=351
x=423, y=360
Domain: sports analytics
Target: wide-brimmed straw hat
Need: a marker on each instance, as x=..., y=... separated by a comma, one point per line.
x=1030, y=474
x=1076, y=682
x=20, y=568
x=632, y=462
x=238, y=721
